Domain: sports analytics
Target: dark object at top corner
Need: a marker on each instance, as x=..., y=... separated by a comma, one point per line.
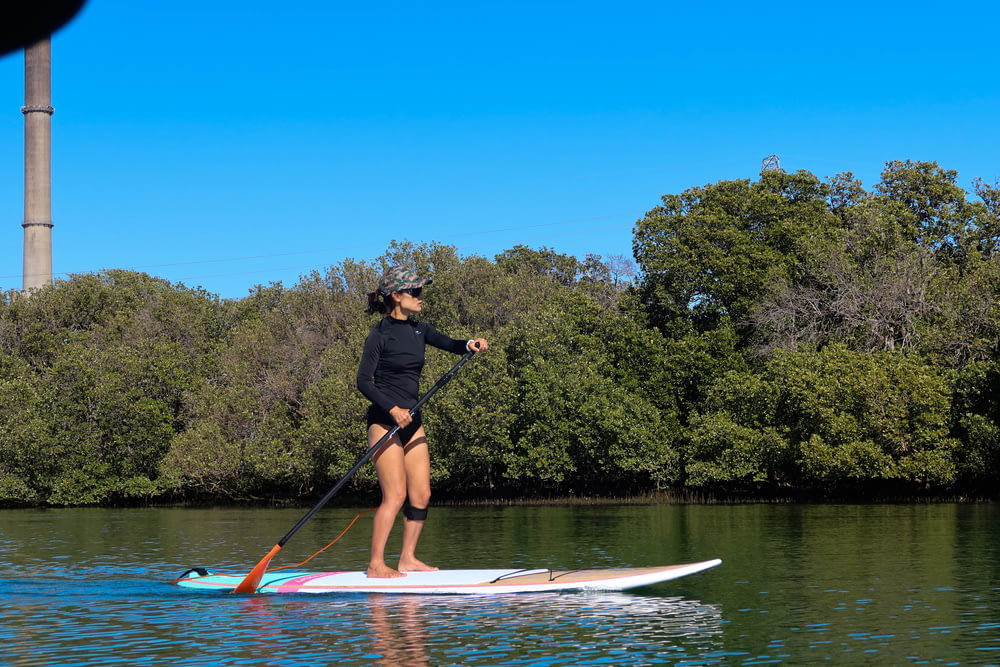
x=23, y=24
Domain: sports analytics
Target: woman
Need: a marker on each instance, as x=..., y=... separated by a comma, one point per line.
x=389, y=376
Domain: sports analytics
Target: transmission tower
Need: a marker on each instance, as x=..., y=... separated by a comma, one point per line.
x=771, y=163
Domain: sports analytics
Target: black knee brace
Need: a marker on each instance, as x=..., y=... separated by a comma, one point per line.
x=414, y=513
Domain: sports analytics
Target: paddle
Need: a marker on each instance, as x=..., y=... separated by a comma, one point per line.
x=252, y=580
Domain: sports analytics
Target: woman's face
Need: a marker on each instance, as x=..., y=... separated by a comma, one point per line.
x=410, y=300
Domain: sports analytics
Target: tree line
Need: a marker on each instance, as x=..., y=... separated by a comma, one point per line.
x=785, y=335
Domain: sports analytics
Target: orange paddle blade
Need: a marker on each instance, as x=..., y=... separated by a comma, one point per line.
x=252, y=580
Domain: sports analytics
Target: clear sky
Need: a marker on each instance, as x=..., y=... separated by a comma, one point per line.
x=227, y=144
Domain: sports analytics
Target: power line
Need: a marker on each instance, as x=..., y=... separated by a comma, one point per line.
x=221, y=260
x=311, y=266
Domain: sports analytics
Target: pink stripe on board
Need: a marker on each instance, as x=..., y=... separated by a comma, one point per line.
x=294, y=585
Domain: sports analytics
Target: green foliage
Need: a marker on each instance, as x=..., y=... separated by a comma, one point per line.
x=910, y=267
x=469, y=424
x=827, y=417
x=577, y=425
x=521, y=260
x=721, y=450
x=717, y=250
x=105, y=363
x=925, y=202
x=29, y=453
x=976, y=415
x=781, y=333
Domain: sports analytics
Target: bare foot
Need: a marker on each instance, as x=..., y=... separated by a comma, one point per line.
x=414, y=565
x=383, y=571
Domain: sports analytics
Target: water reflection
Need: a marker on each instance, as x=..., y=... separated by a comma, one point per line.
x=526, y=629
x=398, y=631
x=550, y=628
x=266, y=637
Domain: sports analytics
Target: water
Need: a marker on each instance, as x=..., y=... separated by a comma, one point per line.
x=888, y=585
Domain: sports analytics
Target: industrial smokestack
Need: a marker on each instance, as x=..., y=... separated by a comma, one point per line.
x=37, y=112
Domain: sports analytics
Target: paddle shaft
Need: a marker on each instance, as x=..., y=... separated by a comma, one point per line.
x=370, y=452
x=252, y=580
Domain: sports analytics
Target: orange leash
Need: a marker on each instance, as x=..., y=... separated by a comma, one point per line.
x=335, y=540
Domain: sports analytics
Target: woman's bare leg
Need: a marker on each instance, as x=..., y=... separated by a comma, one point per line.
x=390, y=466
x=417, y=465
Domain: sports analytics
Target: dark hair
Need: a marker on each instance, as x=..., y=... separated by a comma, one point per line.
x=375, y=305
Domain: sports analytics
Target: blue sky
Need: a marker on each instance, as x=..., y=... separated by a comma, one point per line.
x=230, y=144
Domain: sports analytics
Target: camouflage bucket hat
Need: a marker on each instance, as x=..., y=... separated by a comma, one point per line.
x=400, y=278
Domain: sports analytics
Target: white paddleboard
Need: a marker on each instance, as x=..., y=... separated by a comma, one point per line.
x=443, y=582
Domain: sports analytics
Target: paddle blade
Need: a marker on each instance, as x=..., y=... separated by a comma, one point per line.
x=251, y=582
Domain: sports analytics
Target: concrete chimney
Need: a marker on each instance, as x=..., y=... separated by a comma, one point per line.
x=37, y=112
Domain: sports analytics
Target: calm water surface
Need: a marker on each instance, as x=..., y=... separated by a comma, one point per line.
x=889, y=585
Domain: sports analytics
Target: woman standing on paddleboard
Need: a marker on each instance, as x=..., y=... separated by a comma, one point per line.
x=389, y=376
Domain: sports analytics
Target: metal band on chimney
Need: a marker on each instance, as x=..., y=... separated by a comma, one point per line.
x=43, y=109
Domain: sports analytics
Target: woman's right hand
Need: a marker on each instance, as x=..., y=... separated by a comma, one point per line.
x=401, y=415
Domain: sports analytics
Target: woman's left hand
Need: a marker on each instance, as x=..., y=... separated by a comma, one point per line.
x=479, y=345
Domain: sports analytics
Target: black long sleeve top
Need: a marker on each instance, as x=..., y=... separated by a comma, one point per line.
x=393, y=357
